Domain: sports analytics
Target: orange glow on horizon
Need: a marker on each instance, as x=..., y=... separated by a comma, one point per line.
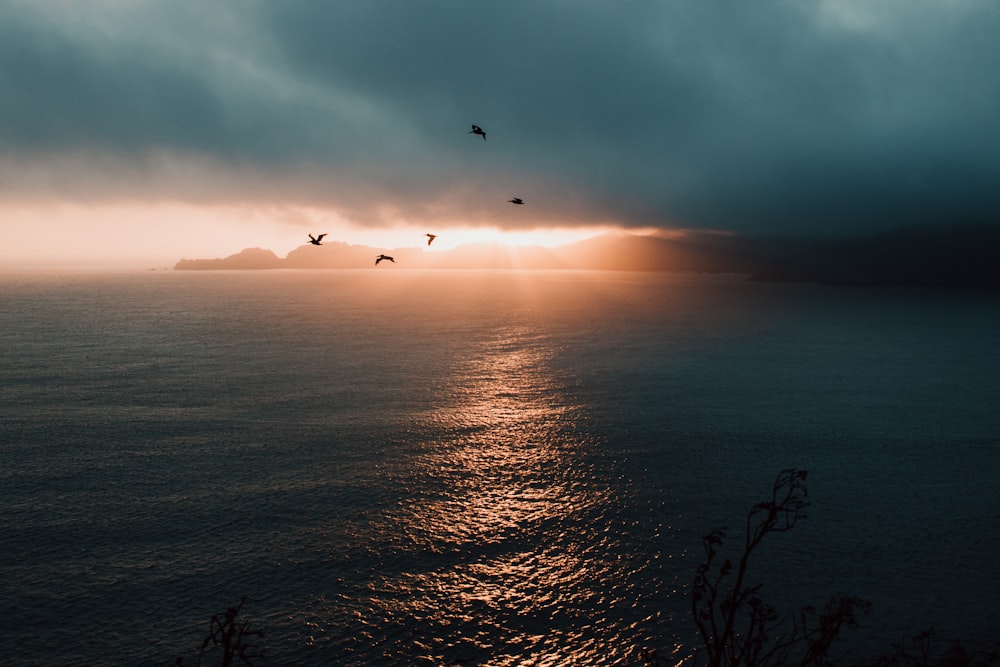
x=545, y=237
x=52, y=234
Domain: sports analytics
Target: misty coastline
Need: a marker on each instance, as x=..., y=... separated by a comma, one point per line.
x=962, y=257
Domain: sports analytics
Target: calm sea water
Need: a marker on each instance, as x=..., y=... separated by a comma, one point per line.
x=490, y=468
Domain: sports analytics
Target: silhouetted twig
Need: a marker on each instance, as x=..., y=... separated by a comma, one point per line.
x=225, y=631
x=917, y=651
x=736, y=626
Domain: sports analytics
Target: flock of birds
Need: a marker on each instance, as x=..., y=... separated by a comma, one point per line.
x=318, y=240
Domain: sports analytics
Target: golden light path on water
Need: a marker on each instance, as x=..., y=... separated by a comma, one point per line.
x=506, y=545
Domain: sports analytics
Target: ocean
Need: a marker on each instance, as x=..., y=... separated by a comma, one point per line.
x=393, y=467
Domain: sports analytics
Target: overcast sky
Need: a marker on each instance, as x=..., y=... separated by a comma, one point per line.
x=793, y=117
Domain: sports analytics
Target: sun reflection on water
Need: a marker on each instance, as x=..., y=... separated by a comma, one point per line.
x=505, y=546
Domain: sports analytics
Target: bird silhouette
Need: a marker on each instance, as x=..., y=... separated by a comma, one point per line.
x=381, y=257
x=316, y=241
x=430, y=238
x=477, y=130
x=516, y=200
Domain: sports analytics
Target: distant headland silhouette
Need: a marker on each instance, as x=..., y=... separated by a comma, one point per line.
x=963, y=256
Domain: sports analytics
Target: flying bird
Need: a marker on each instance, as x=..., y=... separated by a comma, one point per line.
x=381, y=257
x=316, y=241
x=516, y=200
x=430, y=238
x=477, y=130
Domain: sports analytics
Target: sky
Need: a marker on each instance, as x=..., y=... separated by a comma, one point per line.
x=142, y=131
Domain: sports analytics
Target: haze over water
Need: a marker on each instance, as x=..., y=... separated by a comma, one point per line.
x=504, y=468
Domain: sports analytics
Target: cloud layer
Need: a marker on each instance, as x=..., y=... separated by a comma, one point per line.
x=829, y=117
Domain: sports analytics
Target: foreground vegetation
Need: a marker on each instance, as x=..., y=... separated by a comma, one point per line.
x=736, y=627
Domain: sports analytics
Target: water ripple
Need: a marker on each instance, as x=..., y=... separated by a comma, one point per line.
x=506, y=545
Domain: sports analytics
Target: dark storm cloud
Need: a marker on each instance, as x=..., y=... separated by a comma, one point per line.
x=774, y=116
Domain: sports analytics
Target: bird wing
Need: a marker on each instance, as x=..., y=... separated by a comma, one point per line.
x=320, y=237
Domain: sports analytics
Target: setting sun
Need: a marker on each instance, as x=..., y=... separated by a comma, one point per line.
x=548, y=238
